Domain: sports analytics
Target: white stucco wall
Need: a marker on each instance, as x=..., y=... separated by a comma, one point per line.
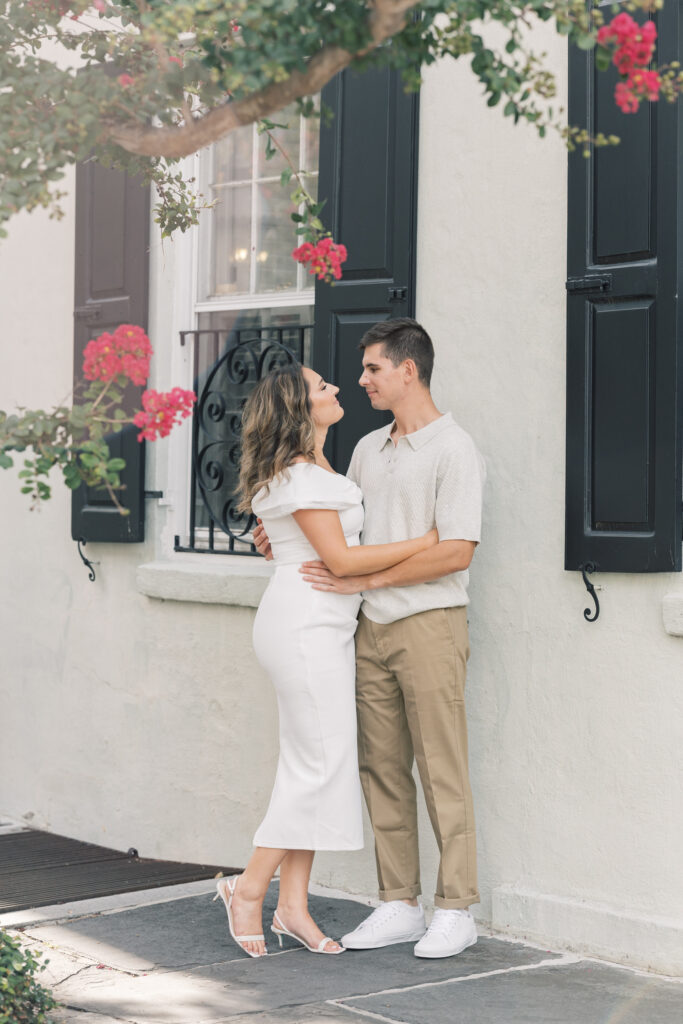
x=575, y=728
x=129, y=720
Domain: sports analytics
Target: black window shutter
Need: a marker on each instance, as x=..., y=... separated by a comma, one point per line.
x=623, y=471
x=112, y=250
x=368, y=174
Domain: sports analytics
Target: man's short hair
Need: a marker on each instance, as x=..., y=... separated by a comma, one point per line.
x=403, y=338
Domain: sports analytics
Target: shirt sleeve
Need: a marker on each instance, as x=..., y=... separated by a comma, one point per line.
x=459, y=494
x=354, y=466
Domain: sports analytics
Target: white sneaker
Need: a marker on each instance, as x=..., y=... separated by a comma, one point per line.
x=392, y=922
x=449, y=933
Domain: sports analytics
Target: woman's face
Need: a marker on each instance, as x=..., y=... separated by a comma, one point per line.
x=325, y=409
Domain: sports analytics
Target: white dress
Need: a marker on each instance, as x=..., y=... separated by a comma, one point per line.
x=304, y=640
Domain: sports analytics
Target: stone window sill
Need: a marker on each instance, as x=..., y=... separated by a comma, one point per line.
x=672, y=613
x=208, y=583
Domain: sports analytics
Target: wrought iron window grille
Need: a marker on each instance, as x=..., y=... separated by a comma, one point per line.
x=226, y=367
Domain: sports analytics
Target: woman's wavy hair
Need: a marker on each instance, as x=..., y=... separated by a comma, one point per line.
x=277, y=425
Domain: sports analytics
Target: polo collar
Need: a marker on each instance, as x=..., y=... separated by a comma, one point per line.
x=419, y=437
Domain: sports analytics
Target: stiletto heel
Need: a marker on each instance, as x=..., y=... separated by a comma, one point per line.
x=221, y=885
x=279, y=929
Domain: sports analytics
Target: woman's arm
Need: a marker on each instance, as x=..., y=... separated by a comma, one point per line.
x=323, y=529
x=446, y=557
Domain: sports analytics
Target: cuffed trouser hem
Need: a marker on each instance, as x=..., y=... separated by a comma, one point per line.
x=408, y=893
x=461, y=904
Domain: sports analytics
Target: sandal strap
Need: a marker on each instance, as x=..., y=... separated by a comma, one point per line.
x=323, y=942
x=250, y=938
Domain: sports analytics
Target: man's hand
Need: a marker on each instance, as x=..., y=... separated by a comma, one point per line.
x=317, y=574
x=261, y=542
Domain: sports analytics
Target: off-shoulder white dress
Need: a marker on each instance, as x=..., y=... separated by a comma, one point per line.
x=304, y=639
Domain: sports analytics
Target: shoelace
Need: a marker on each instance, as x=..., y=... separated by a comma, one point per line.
x=445, y=920
x=380, y=915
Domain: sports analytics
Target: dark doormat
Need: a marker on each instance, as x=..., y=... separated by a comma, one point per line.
x=38, y=869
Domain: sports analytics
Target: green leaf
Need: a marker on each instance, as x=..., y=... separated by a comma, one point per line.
x=603, y=58
x=585, y=42
x=116, y=465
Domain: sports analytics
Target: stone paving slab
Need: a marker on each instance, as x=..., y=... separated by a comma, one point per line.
x=39, y=916
x=311, y=1013
x=240, y=987
x=174, y=963
x=568, y=993
x=77, y=1017
x=317, y=1013
x=174, y=935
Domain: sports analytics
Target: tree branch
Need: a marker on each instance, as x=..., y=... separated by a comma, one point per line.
x=386, y=19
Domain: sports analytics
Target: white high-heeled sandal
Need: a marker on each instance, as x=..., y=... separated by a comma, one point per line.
x=279, y=929
x=221, y=885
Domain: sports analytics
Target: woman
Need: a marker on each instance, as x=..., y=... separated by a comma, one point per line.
x=304, y=640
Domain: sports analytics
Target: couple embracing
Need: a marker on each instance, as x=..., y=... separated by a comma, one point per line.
x=365, y=684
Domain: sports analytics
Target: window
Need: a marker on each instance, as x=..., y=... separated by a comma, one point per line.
x=253, y=305
x=253, y=309
x=247, y=238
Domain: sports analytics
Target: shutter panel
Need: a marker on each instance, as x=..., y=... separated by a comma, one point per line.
x=623, y=472
x=368, y=174
x=112, y=245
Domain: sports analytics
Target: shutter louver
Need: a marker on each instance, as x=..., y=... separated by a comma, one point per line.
x=623, y=472
x=112, y=245
x=368, y=174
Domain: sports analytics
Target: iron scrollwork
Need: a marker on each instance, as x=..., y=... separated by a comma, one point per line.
x=86, y=561
x=590, y=567
x=218, y=421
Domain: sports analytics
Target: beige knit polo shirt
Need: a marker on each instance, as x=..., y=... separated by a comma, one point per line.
x=434, y=477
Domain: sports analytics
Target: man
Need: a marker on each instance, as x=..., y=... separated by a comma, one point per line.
x=411, y=644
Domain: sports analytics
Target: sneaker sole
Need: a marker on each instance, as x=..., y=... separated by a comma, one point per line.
x=359, y=944
x=440, y=956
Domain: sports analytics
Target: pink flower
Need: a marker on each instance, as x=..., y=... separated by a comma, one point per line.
x=160, y=412
x=634, y=46
x=126, y=352
x=176, y=60
x=125, y=80
x=99, y=5
x=624, y=99
x=324, y=258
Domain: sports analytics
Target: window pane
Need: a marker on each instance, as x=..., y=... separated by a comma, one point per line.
x=311, y=185
x=233, y=156
x=281, y=324
x=311, y=141
x=232, y=240
x=287, y=137
x=276, y=237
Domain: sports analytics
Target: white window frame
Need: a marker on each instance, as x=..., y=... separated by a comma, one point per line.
x=187, y=307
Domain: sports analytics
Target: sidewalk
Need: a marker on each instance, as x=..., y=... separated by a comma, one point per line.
x=164, y=956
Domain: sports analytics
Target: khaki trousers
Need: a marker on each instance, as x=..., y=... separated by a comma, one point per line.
x=410, y=698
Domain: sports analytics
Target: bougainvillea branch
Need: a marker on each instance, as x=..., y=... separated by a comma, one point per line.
x=157, y=80
x=75, y=438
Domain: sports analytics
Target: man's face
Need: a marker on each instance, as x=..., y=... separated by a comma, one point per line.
x=383, y=382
